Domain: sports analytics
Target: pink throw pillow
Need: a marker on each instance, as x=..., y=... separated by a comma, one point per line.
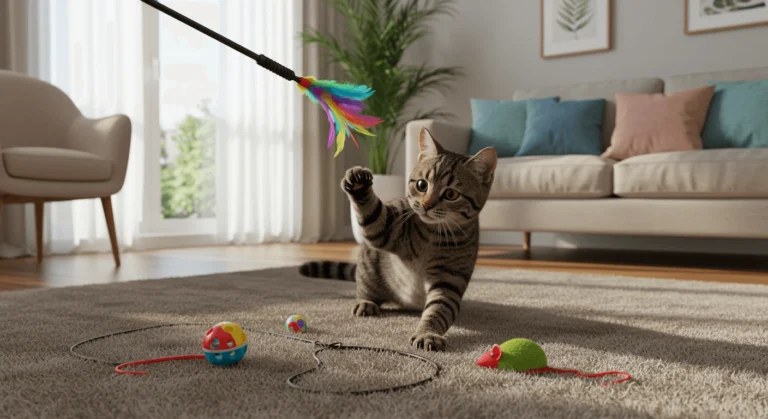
x=657, y=123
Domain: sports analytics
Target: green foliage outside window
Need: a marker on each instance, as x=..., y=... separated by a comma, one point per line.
x=188, y=182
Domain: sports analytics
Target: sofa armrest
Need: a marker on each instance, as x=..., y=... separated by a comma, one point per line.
x=453, y=137
x=108, y=138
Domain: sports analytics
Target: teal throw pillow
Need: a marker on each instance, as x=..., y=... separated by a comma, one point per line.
x=568, y=127
x=738, y=115
x=499, y=124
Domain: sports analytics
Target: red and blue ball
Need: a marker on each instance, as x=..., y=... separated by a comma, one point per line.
x=225, y=344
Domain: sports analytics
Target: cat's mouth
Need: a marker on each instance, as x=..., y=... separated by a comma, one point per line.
x=430, y=219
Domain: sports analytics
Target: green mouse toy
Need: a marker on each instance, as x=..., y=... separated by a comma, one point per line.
x=525, y=355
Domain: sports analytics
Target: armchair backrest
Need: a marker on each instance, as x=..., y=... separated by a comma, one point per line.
x=33, y=112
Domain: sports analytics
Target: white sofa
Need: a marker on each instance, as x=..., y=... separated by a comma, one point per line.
x=704, y=193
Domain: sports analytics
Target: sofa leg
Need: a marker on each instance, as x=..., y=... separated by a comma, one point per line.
x=526, y=241
x=39, y=213
x=106, y=203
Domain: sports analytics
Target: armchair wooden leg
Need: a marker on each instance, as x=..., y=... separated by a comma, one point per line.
x=106, y=203
x=39, y=213
x=526, y=241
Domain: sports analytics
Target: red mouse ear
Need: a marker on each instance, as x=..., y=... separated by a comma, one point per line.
x=496, y=352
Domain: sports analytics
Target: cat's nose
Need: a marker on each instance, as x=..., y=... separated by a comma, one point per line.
x=425, y=205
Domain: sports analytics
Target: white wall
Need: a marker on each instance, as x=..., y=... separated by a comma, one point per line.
x=497, y=44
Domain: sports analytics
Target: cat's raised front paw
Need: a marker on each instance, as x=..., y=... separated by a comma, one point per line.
x=428, y=341
x=365, y=308
x=357, y=180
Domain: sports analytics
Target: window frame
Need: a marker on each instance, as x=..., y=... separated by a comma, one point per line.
x=153, y=224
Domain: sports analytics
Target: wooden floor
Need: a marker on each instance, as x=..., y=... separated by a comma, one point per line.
x=58, y=271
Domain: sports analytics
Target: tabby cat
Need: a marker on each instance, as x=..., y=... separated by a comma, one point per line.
x=423, y=262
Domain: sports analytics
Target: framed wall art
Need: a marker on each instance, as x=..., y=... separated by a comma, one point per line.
x=703, y=16
x=574, y=27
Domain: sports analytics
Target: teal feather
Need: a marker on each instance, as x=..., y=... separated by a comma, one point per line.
x=345, y=90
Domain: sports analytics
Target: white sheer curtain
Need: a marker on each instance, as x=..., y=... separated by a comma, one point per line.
x=92, y=49
x=259, y=150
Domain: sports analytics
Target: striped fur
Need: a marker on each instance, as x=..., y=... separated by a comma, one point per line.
x=329, y=270
x=419, y=252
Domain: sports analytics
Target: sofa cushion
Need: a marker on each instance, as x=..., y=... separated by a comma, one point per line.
x=573, y=176
x=56, y=164
x=596, y=90
x=656, y=123
x=738, y=115
x=722, y=173
x=562, y=128
x=499, y=124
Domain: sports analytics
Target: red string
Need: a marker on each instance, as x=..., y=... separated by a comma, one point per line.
x=119, y=368
x=626, y=375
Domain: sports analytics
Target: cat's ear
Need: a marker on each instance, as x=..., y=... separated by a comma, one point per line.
x=484, y=164
x=428, y=147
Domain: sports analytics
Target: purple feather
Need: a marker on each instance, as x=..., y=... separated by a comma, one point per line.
x=354, y=109
x=332, y=131
x=350, y=104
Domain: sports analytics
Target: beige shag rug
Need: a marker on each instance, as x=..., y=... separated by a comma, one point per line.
x=694, y=349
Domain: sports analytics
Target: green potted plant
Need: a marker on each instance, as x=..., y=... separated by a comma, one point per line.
x=376, y=35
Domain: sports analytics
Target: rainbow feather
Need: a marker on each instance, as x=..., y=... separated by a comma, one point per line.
x=343, y=105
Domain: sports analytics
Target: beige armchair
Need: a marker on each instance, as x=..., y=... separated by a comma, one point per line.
x=50, y=152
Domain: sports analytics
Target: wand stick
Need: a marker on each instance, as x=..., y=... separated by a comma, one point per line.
x=342, y=102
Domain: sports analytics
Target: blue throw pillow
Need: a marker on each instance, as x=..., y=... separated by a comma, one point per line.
x=738, y=115
x=499, y=124
x=568, y=127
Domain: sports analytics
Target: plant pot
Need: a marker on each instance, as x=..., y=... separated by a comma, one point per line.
x=386, y=187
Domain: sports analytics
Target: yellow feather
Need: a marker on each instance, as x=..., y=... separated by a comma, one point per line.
x=340, y=139
x=364, y=131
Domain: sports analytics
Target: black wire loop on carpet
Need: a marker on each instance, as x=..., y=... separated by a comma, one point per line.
x=292, y=380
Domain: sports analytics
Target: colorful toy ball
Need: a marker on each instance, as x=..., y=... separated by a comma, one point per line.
x=296, y=324
x=225, y=344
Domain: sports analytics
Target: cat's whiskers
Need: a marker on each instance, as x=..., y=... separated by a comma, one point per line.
x=457, y=226
x=448, y=229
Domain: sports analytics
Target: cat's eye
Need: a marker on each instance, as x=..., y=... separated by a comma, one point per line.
x=451, y=194
x=421, y=185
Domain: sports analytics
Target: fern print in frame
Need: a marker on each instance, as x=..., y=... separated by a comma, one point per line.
x=574, y=27
x=574, y=15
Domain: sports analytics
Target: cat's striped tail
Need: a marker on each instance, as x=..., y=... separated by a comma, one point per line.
x=329, y=270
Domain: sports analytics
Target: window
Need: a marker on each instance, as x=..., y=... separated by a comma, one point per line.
x=181, y=100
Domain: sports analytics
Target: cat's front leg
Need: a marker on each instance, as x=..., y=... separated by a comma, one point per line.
x=376, y=219
x=441, y=308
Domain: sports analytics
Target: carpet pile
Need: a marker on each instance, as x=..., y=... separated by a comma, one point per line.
x=694, y=349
